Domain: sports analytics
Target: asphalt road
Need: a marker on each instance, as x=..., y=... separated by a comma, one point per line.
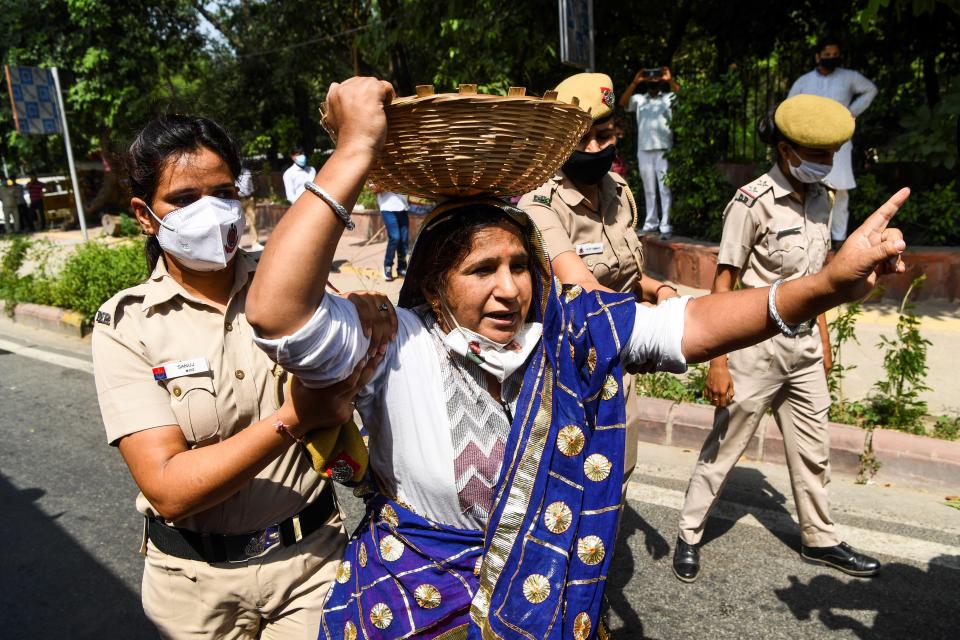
x=69, y=566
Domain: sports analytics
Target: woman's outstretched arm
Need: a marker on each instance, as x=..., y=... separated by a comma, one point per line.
x=723, y=322
x=293, y=271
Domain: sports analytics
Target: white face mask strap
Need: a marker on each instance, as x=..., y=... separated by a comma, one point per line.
x=159, y=221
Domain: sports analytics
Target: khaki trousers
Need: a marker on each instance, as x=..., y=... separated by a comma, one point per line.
x=250, y=214
x=785, y=374
x=277, y=596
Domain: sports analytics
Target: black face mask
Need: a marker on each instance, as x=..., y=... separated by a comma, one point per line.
x=830, y=63
x=589, y=168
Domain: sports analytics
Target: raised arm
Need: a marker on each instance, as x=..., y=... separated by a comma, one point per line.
x=865, y=91
x=293, y=271
x=723, y=322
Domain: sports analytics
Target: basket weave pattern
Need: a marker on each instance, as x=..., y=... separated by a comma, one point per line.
x=472, y=144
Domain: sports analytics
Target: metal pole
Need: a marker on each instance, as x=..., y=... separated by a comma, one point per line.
x=73, y=169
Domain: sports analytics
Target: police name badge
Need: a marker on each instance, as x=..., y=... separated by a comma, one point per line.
x=176, y=369
x=589, y=248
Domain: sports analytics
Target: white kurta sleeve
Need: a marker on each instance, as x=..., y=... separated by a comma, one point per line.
x=864, y=90
x=657, y=336
x=326, y=349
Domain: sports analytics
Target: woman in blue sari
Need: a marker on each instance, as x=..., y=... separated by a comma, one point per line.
x=496, y=419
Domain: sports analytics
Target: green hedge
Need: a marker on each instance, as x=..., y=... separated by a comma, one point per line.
x=88, y=278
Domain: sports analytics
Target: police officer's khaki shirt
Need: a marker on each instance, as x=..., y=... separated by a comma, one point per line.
x=605, y=239
x=769, y=234
x=159, y=323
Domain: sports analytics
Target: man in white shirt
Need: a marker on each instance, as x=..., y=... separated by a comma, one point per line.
x=654, y=138
x=855, y=92
x=297, y=175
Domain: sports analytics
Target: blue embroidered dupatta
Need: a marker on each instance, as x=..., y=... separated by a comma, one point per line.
x=540, y=568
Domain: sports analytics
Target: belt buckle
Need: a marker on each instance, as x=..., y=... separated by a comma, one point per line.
x=259, y=544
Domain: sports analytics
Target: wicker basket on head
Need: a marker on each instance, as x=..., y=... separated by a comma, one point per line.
x=467, y=144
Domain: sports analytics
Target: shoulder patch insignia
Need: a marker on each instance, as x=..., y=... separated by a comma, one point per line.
x=541, y=199
x=749, y=193
x=102, y=317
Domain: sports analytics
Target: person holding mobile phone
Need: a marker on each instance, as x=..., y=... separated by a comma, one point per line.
x=654, y=138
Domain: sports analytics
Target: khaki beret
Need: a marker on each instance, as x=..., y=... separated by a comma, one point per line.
x=594, y=90
x=814, y=121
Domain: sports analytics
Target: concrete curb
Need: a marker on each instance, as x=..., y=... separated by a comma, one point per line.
x=903, y=457
x=42, y=316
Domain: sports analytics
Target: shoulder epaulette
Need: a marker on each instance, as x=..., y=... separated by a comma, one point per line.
x=543, y=195
x=750, y=192
x=107, y=313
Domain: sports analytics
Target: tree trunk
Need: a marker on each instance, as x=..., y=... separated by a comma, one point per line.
x=678, y=28
x=931, y=82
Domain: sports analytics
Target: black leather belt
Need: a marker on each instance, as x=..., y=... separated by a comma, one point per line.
x=241, y=547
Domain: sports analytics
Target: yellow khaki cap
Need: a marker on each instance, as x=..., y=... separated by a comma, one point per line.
x=814, y=121
x=593, y=90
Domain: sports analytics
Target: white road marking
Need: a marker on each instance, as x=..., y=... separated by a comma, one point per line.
x=866, y=540
x=49, y=357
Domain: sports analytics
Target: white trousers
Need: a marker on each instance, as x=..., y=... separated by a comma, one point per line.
x=653, y=173
x=841, y=212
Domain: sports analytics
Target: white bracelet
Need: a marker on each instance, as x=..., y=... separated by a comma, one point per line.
x=338, y=208
x=785, y=329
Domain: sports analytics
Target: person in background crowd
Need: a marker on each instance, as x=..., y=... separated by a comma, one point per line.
x=853, y=91
x=588, y=219
x=393, y=209
x=246, y=190
x=10, y=197
x=652, y=107
x=242, y=535
x=35, y=190
x=777, y=229
x=297, y=174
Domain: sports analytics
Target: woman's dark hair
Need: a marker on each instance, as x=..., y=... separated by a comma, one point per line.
x=441, y=247
x=770, y=134
x=166, y=138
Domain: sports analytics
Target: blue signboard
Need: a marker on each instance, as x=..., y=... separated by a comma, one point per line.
x=33, y=96
x=576, y=33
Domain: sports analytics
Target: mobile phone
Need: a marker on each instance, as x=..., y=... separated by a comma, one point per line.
x=653, y=73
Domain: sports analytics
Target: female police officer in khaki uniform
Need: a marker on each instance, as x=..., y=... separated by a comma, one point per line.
x=777, y=228
x=244, y=536
x=588, y=218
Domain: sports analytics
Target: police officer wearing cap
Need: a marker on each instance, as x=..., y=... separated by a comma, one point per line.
x=587, y=215
x=777, y=228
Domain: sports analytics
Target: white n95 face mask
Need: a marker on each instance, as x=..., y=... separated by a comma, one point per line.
x=202, y=236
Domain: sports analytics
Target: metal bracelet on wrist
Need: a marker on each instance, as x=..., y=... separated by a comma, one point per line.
x=338, y=208
x=785, y=329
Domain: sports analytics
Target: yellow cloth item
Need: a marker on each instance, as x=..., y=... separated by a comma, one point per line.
x=593, y=90
x=814, y=122
x=338, y=453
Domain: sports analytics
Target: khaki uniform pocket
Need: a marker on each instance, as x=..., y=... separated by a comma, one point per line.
x=788, y=250
x=194, y=402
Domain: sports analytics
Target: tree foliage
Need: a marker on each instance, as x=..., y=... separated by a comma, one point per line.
x=262, y=68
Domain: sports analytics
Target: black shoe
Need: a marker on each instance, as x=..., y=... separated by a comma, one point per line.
x=666, y=236
x=388, y=274
x=842, y=557
x=686, y=561
x=401, y=271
